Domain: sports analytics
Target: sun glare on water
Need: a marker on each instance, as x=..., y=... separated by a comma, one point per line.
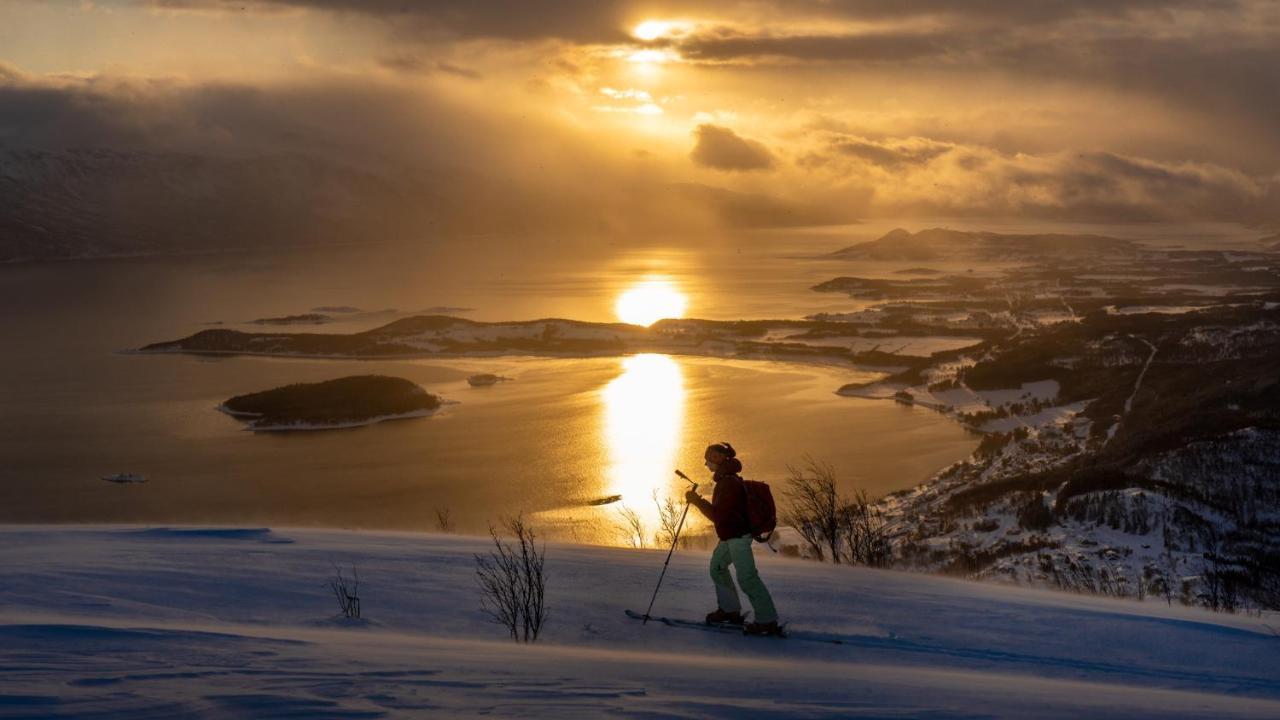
x=649, y=301
x=643, y=421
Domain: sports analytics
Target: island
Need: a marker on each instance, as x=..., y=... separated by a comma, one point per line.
x=303, y=319
x=485, y=380
x=342, y=403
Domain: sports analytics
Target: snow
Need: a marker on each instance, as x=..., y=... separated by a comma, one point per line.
x=909, y=345
x=1156, y=309
x=301, y=426
x=1055, y=415
x=964, y=399
x=111, y=621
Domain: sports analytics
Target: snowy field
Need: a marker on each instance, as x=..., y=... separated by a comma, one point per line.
x=125, y=622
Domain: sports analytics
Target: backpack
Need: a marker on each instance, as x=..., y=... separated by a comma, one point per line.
x=762, y=514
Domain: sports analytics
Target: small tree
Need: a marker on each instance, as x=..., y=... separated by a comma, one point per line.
x=346, y=591
x=631, y=525
x=1168, y=572
x=1034, y=514
x=815, y=509
x=512, y=581
x=668, y=520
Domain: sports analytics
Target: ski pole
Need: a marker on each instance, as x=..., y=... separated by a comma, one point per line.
x=674, y=538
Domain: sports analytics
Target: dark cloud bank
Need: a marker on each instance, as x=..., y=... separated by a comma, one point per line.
x=105, y=167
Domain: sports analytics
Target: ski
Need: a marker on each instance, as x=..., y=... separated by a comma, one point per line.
x=868, y=640
x=695, y=625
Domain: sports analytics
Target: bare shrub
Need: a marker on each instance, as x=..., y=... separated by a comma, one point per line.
x=631, y=526
x=850, y=530
x=512, y=581
x=814, y=508
x=346, y=591
x=668, y=521
x=865, y=532
x=444, y=519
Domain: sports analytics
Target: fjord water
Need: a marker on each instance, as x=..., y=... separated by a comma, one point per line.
x=564, y=432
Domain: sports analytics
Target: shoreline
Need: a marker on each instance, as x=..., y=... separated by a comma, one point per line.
x=799, y=358
x=344, y=425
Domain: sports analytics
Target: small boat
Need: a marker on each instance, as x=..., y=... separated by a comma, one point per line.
x=124, y=478
x=485, y=379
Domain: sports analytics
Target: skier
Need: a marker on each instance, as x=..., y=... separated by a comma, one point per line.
x=728, y=511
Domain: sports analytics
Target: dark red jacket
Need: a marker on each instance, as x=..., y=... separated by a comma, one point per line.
x=728, y=506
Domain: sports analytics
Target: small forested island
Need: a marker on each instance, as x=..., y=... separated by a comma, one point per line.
x=341, y=403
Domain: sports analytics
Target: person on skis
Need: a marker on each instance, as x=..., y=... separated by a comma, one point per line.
x=728, y=511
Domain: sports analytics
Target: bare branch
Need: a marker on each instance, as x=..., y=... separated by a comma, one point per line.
x=346, y=591
x=444, y=519
x=512, y=581
x=631, y=526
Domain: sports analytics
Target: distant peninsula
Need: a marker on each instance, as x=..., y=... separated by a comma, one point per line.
x=342, y=403
x=303, y=319
x=946, y=244
x=863, y=345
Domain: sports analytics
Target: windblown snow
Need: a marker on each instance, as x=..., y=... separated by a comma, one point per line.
x=121, y=622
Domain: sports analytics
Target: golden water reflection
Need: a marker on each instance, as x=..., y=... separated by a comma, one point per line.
x=644, y=411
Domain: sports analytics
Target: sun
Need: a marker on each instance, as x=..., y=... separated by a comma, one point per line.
x=651, y=30
x=649, y=301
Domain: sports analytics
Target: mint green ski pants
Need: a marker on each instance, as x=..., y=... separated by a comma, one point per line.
x=737, y=552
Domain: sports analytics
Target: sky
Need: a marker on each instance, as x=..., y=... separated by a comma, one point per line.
x=804, y=111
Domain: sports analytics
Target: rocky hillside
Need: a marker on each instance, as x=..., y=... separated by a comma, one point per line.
x=1146, y=462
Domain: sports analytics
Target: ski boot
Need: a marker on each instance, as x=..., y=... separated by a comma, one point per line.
x=763, y=628
x=722, y=617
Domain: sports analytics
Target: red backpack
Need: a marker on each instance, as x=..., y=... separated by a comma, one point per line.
x=762, y=514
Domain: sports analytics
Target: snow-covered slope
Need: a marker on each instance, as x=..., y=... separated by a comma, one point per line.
x=163, y=623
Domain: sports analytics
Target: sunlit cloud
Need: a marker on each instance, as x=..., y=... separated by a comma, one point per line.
x=642, y=109
x=628, y=94
x=650, y=56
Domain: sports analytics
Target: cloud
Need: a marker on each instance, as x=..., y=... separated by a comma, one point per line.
x=1010, y=11
x=609, y=20
x=579, y=20
x=923, y=176
x=115, y=164
x=1096, y=108
x=869, y=48
x=415, y=64
x=892, y=154
x=722, y=149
